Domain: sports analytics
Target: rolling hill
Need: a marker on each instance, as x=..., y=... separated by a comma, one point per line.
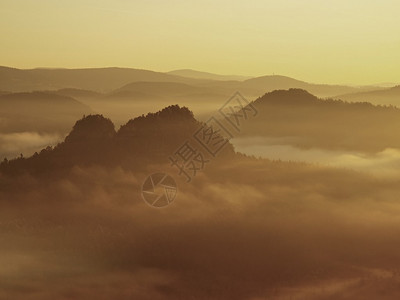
x=77, y=93
x=39, y=111
x=205, y=75
x=310, y=122
x=167, y=90
x=96, y=79
x=264, y=84
x=106, y=80
x=388, y=96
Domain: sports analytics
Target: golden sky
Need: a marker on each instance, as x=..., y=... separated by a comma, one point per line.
x=340, y=41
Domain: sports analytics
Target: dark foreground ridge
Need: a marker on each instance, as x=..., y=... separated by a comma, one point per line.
x=325, y=123
x=94, y=140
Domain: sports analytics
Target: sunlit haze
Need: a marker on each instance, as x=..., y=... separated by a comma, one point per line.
x=218, y=150
x=352, y=42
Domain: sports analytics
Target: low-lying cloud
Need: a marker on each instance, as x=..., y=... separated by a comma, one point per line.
x=243, y=230
x=384, y=163
x=26, y=143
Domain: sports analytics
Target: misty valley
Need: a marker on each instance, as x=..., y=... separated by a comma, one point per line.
x=297, y=200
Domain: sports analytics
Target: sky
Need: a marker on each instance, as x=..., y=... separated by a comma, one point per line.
x=321, y=41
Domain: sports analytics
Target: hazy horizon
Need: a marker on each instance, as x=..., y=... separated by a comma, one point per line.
x=377, y=83
x=219, y=150
x=338, y=42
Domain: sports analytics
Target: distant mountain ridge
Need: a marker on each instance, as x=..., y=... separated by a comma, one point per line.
x=206, y=75
x=387, y=96
x=39, y=103
x=96, y=79
x=277, y=82
x=166, y=90
x=106, y=80
x=325, y=124
x=39, y=111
